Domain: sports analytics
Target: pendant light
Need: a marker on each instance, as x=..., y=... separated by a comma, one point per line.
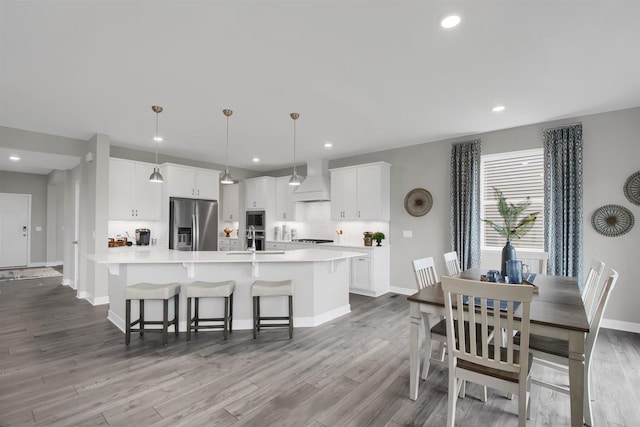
x=226, y=178
x=295, y=178
x=156, y=176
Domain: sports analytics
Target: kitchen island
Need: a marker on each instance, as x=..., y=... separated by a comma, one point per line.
x=321, y=281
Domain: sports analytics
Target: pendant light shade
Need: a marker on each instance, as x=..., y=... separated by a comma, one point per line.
x=156, y=176
x=295, y=179
x=226, y=178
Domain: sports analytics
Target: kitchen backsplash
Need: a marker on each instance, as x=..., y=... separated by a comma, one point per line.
x=317, y=224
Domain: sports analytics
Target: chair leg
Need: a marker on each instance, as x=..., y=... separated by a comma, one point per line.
x=522, y=405
x=127, y=334
x=165, y=321
x=290, y=316
x=231, y=313
x=453, y=397
x=255, y=312
x=196, y=319
x=463, y=389
x=588, y=414
x=226, y=316
x=188, y=319
x=141, y=317
x=176, y=313
x=258, y=315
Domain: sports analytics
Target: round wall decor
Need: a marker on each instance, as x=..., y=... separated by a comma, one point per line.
x=632, y=188
x=418, y=202
x=612, y=220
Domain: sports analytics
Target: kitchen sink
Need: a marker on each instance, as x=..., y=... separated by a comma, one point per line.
x=256, y=252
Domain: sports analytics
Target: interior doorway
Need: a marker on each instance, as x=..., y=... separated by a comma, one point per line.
x=15, y=229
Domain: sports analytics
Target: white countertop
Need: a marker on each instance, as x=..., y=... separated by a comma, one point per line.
x=164, y=256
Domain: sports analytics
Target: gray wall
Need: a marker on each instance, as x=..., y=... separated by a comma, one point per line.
x=36, y=185
x=611, y=154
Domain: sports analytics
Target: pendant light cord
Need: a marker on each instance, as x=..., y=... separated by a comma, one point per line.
x=227, y=165
x=156, y=138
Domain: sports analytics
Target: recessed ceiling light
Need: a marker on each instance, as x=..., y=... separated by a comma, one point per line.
x=450, y=21
x=328, y=145
x=255, y=159
x=498, y=108
x=14, y=158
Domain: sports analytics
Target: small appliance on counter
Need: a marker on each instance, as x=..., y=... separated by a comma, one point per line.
x=143, y=236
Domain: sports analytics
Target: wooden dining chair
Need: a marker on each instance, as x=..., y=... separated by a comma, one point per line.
x=480, y=359
x=537, y=261
x=590, y=288
x=451, y=261
x=425, y=272
x=554, y=353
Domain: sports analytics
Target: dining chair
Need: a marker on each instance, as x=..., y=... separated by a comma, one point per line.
x=451, y=261
x=426, y=276
x=590, y=288
x=554, y=353
x=537, y=261
x=480, y=359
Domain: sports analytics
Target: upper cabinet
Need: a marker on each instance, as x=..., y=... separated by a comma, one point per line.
x=361, y=193
x=285, y=206
x=260, y=193
x=190, y=182
x=231, y=202
x=131, y=195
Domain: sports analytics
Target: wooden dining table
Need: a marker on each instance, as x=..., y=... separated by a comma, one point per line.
x=557, y=311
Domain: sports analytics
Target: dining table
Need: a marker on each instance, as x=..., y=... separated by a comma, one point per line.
x=557, y=311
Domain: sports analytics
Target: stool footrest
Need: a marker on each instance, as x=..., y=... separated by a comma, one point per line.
x=274, y=325
x=273, y=318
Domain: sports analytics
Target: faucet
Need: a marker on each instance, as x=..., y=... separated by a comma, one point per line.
x=252, y=236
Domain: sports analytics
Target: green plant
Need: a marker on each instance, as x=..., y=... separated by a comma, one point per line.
x=378, y=235
x=510, y=213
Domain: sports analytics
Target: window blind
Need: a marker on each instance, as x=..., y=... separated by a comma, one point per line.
x=518, y=175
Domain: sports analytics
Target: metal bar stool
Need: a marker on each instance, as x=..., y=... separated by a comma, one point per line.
x=144, y=291
x=263, y=288
x=199, y=290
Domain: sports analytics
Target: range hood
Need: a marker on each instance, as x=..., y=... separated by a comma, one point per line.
x=316, y=187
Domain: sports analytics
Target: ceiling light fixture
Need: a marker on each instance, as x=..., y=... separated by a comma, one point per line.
x=450, y=21
x=226, y=178
x=498, y=108
x=328, y=145
x=256, y=160
x=295, y=178
x=156, y=176
x=14, y=158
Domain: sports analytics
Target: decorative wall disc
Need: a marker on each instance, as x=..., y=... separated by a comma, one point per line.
x=612, y=220
x=632, y=188
x=418, y=202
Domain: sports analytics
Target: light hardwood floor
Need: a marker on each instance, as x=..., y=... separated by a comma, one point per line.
x=63, y=363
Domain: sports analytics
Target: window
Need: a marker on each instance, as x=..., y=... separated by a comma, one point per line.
x=517, y=174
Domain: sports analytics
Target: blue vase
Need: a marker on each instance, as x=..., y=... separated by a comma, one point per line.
x=508, y=253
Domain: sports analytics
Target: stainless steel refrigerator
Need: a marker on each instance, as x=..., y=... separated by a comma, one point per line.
x=193, y=224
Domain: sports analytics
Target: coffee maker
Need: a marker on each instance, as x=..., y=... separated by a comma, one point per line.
x=143, y=236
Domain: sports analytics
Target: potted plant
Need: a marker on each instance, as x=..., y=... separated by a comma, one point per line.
x=378, y=236
x=512, y=228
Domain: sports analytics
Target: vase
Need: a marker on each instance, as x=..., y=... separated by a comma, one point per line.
x=368, y=238
x=508, y=253
x=379, y=242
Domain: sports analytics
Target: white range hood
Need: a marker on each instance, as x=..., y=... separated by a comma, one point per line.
x=316, y=187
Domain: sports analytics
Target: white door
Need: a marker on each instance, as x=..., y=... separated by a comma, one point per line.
x=15, y=225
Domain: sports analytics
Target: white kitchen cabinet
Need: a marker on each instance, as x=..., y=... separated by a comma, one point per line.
x=228, y=244
x=285, y=206
x=231, y=202
x=190, y=182
x=260, y=193
x=361, y=193
x=131, y=195
x=276, y=246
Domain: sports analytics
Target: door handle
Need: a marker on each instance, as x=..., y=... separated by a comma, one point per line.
x=75, y=242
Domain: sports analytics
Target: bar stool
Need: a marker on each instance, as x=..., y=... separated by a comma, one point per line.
x=199, y=290
x=144, y=291
x=264, y=288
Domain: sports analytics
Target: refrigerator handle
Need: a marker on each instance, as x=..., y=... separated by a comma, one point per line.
x=196, y=233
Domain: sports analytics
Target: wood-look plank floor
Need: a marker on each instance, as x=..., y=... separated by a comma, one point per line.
x=63, y=363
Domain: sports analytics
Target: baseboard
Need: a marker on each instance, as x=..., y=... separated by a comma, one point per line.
x=100, y=301
x=69, y=283
x=53, y=263
x=620, y=325
x=402, y=291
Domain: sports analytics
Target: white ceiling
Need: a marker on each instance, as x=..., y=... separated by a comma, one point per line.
x=364, y=75
x=35, y=162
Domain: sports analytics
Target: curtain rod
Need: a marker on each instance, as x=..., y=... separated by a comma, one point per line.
x=562, y=126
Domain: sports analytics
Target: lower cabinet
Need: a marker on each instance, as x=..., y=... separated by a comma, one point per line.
x=228, y=244
x=370, y=273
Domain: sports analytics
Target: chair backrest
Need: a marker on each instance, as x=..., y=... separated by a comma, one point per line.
x=590, y=288
x=537, y=261
x=596, y=316
x=487, y=295
x=453, y=266
x=425, y=271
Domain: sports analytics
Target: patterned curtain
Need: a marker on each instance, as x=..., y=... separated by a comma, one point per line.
x=465, y=203
x=563, y=213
